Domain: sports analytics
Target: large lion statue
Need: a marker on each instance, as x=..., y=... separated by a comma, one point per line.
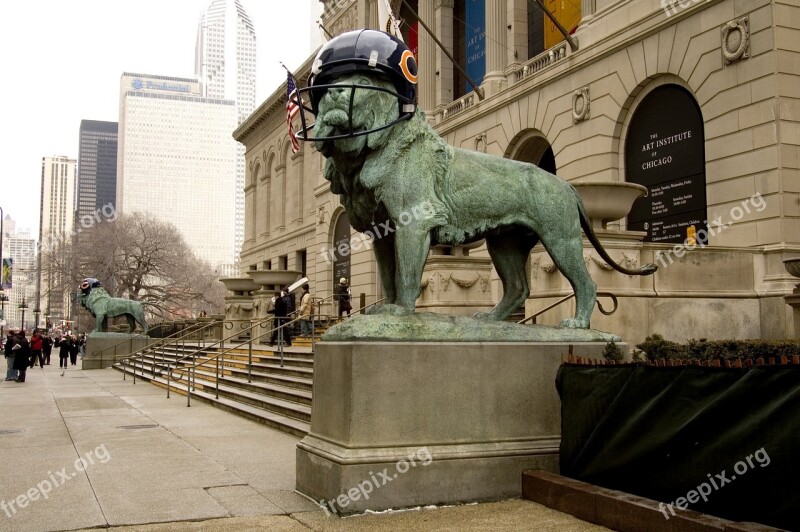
x=386, y=173
x=102, y=306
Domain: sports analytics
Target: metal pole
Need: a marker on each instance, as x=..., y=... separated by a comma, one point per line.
x=280, y=342
x=313, y=332
x=216, y=374
x=250, y=358
x=168, y=374
x=189, y=387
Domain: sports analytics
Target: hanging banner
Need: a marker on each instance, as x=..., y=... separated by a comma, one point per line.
x=567, y=12
x=475, y=45
x=387, y=21
x=8, y=270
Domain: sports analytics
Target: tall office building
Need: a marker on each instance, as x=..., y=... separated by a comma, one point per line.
x=176, y=161
x=225, y=64
x=97, y=166
x=20, y=247
x=56, y=223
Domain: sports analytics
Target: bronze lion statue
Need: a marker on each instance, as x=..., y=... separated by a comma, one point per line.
x=102, y=306
x=385, y=161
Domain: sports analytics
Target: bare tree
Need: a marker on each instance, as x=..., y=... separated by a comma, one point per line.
x=142, y=258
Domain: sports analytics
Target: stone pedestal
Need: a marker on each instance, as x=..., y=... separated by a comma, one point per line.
x=100, y=348
x=455, y=284
x=400, y=424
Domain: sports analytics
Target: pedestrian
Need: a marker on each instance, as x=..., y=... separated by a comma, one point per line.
x=47, y=348
x=306, y=312
x=11, y=341
x=22, y=356
x=64, y=344
x=36, y=349
x=74, y=349
x=279, y=333
x=343, y=295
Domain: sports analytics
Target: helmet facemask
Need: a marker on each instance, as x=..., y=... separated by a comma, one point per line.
x=355, y=111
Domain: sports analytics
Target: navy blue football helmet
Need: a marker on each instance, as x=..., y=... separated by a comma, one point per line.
x=360, y=51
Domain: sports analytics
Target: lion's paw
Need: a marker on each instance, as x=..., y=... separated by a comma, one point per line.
x=392, y=309
x=574, y=323
x=483, y=316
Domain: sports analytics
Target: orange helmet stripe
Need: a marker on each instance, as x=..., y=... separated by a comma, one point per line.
x=404, y=66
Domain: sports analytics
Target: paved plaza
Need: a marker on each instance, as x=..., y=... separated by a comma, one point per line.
x=151, y=463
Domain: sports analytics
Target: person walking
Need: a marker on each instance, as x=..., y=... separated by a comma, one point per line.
x=64, y=345
x=306, y=311
x=36, y=349
x=47, y=348
x=74, y=349
x=11, y=341
x=22, y=356
x=343, y=295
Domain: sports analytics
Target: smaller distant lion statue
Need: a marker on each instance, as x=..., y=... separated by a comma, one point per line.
x=102, y=306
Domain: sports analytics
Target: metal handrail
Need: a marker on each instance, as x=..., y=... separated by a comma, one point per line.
x=532, y=317
x=160, y=342
x=191, y=370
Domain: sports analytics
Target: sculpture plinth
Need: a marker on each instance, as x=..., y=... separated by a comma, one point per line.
x=484, y=411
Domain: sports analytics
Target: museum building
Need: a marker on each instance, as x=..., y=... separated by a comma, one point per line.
x=694, y=102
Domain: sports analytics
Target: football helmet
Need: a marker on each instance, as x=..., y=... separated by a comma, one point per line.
x=360, y=51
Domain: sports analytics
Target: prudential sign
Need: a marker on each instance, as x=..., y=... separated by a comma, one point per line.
x=147, y=84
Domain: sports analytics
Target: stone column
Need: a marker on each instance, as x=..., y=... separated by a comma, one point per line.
x=495, y=79
x=372, y=15
x=444, y=68
x=426, y=84
x=517, y=18
x=587, y=9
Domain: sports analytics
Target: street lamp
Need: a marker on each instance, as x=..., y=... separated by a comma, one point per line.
x=36, y=313
x=23, y=307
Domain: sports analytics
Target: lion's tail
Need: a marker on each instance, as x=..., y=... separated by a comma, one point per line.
x=646, y=269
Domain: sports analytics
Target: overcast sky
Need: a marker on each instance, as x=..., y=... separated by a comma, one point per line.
x=62, y=61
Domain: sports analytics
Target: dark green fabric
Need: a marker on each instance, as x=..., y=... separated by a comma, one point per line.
x=659, y=432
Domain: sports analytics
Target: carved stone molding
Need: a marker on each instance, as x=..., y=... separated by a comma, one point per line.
x=444, y=3
x=580, y=105
x=481, y=142
x=736, y=40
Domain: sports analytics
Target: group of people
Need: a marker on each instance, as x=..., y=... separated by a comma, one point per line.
x=282, y=307
x=22, y=353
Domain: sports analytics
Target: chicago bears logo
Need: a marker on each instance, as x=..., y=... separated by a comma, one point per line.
x=408, y=65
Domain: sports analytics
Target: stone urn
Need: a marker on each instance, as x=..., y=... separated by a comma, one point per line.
x=270, y=279
x=239, y=285
x=608, y=201
x=793, y=267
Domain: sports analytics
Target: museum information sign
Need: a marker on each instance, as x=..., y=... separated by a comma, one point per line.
x=665, y=152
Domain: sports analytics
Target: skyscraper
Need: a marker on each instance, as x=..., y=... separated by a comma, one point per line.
x=56, y=217
x=225, y=64
x=97, y=166
x=176, y=161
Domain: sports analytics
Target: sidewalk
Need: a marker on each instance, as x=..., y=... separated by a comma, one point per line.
x=149, y=459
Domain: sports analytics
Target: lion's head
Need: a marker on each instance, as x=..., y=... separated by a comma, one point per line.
x=371, y=109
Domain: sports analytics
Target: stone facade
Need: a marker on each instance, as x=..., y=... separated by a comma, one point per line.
x=737, y=60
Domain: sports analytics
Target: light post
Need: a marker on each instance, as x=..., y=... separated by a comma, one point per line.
x=3, y=299
x=23, y=307
x=36, y=313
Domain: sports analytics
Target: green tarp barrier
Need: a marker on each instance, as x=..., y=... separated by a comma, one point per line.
x=726, y=441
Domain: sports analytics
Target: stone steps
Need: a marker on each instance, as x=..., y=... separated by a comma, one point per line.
x=277, y=396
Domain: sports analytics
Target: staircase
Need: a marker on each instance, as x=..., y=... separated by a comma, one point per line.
x=277, y=396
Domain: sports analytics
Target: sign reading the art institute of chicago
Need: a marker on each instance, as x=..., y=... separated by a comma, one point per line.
x=664, y=151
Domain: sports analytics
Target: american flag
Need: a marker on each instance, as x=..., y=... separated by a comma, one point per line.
x=292, y=108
